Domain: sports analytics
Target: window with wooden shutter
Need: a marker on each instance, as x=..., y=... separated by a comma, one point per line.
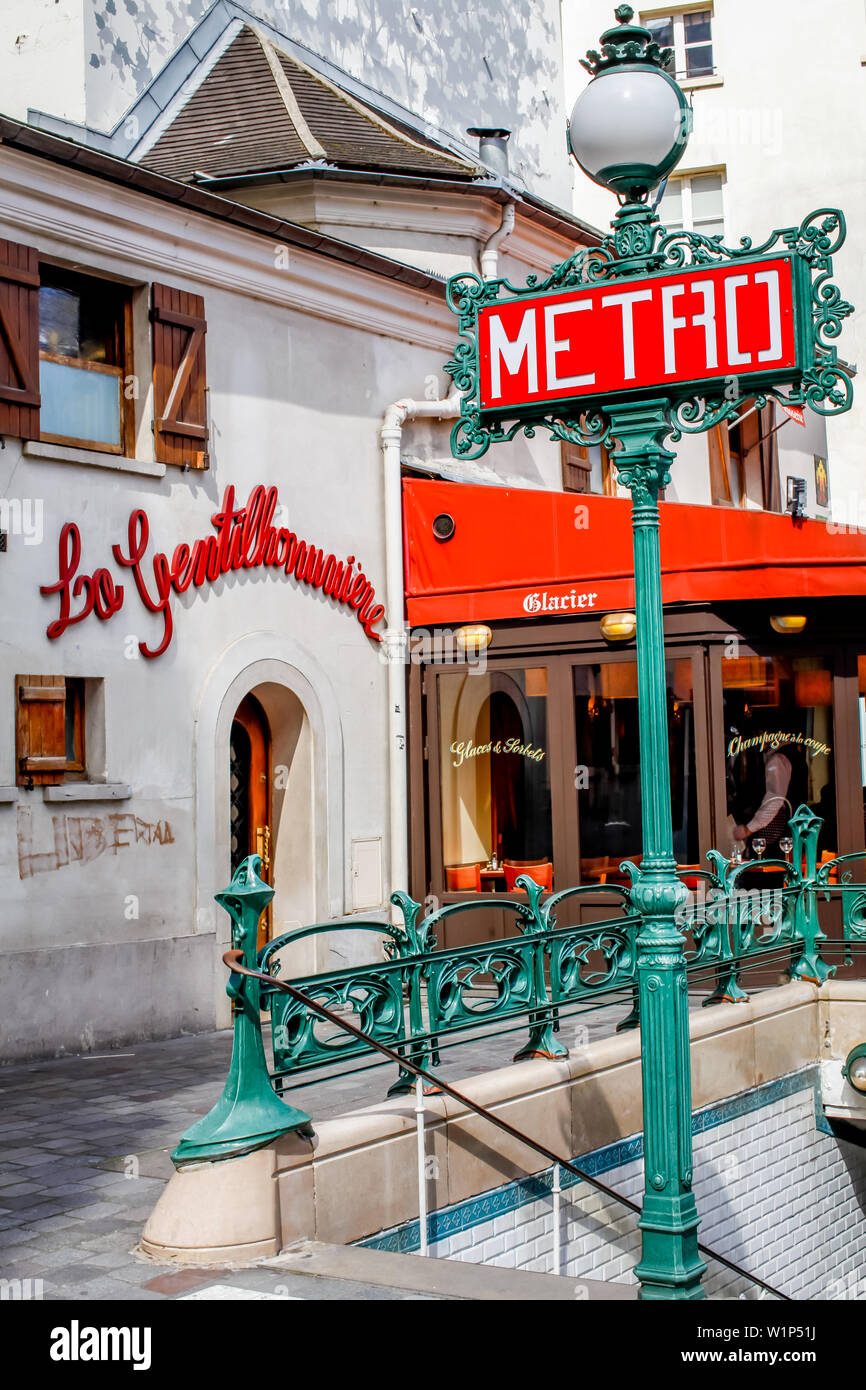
x=576, y=467
x=179, y=382
x=19, y=340
x=40, y=729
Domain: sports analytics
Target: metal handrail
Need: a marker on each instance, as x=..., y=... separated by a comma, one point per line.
x=234, y=960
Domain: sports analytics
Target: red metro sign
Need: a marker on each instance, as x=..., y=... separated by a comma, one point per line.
x=637, y=336
x=243, y=538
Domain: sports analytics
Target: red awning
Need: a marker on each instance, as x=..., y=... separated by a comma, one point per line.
x=519, y=553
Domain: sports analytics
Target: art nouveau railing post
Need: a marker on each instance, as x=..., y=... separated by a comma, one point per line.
x=808, y=965
x=248, y=1114
x=670, y=1265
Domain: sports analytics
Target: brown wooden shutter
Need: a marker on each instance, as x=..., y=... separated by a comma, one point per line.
x=179, y=398
x=576, y=467
x=608, y=474
x=19, y=340
x=771, y=482
x=40, y=729
x=719, y=450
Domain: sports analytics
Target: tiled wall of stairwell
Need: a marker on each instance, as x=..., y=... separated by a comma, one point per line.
x=777, y=1192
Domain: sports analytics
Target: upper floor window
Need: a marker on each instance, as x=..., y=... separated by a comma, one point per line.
x=689, y=34
x=66, y=362
x=744, y=459
x=84, y=359
x=694, y=204
x=586, y=469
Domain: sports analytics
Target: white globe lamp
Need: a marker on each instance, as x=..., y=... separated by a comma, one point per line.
x=631, y=124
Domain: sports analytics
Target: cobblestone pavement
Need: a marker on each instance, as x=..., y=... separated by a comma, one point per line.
x=84, y=1155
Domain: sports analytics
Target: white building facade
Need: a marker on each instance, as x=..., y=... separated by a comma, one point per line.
x=198, y=566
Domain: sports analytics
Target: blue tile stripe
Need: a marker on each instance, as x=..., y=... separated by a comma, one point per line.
x=475, y=1211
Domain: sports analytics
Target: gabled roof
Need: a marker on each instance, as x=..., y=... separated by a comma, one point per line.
x=392, y=144
x=258, y=108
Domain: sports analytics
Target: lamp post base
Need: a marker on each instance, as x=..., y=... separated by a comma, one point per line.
x=670, y=1267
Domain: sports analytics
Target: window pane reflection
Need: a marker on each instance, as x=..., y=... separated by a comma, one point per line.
x=779, y=736
x=608, y=771
x=495, y=770
x=79, y=404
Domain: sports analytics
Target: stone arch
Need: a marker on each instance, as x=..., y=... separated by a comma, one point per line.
x=302, y=707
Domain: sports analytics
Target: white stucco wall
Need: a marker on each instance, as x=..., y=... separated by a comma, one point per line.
x=303, y=356
x=42, y=45
x=295, y=400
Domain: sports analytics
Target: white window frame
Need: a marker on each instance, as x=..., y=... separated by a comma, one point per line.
x=677, y=18
x=684, y=181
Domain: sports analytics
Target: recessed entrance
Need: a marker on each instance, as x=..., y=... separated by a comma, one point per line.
x=270, y=809
x=250, y=781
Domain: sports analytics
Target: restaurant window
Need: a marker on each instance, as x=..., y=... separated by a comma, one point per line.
x=607, y=776
x=690, y=35
x=495, y=770
x=84, y=360
x=694, y=203
x=778, y=714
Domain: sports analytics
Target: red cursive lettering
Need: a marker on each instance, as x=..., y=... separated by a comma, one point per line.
x=243, y=537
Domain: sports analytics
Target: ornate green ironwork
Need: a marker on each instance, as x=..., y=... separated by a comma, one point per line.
x=522, y=980
x=639, y=245
x=627, y=43
x=638, y=425
x=248, y=1114
x=419, y=997
x=733, y=923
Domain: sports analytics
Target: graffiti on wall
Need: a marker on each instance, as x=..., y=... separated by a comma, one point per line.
x=76, y=839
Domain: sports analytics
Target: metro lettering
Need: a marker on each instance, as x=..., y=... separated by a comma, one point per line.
x=695, y=325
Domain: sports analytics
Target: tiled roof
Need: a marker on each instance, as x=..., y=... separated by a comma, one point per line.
x=258, y=109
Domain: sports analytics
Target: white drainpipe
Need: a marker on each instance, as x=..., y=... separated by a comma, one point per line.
x=397, y=639
x=490, y=249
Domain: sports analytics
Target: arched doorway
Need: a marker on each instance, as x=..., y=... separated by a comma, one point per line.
x=307, y=795
x=250, y=793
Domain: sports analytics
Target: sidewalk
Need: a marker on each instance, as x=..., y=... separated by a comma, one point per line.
x=84, y=1155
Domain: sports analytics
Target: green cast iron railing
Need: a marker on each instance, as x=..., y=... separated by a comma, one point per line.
x=436, y=1084
x=420, y=1000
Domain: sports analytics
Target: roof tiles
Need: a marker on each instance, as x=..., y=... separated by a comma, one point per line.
x=239, y=121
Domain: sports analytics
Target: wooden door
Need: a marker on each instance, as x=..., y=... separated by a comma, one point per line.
x=250, y=793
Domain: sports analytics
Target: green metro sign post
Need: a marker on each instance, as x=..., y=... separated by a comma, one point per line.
x=631, y=344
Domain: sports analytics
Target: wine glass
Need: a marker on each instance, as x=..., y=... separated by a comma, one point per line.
x=786, y=844
x=759, y=844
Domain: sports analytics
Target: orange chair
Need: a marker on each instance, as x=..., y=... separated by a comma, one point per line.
x=463, y=878
x=541, y=870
